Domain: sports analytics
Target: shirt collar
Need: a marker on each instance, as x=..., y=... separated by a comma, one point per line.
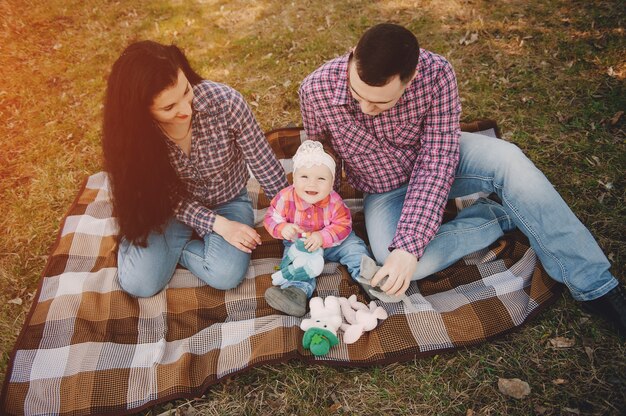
x=342, y=95
x=203, y=103
x=302, y=205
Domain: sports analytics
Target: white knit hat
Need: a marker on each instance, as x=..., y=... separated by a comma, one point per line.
x=311, y=153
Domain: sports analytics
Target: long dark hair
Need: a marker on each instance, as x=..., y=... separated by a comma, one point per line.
x=145, y=186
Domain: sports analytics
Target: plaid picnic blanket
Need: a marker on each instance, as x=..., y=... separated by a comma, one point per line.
x=86, y=347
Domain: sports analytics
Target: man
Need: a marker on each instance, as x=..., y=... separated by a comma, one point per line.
x=390, y=111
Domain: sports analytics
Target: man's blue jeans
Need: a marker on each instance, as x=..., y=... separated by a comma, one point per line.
x=144, y=271
x=565, y=247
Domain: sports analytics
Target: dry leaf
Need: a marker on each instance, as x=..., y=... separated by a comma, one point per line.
x=540, y=410
x=469, y=38
x=570, y=410
x=334, y=408
x=562, y=342
x=616, y=117
x=469, y=412
x=559, y=381
x=513, y=387
x=16, y=301
x=589, y=352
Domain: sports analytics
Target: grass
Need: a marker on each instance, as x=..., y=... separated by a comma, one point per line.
x=550, y=72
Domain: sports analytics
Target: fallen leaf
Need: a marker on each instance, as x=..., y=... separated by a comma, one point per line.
x=513, y=387
x=335, y=407
x=559, y=381
x=16, y=301
x=611, y=72
x=540, y=410
x=469, y=412
x=616, y=117
x=468, y=38
x=608, y=186
x=562, y=342
x=570, y=410
x=589, y=352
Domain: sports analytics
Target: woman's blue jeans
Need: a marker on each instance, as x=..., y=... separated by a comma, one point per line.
x=565, y=247
x=144, y=271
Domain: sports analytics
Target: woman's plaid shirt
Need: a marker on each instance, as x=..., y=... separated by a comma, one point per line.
x=226, y=141
x=415, y=142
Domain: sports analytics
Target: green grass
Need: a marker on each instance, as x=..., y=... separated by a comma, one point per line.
x=540, y=68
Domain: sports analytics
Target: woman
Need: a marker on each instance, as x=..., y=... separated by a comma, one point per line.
x=177, y=149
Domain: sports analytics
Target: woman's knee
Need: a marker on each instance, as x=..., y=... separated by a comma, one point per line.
x=225, y=275
x=141, y=284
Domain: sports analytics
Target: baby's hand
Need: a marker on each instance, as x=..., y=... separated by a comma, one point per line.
x=290, y=232
x=313, y=242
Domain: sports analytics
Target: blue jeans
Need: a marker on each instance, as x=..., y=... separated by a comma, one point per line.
x=144, y=271
x=348, y=253
x=564, y=246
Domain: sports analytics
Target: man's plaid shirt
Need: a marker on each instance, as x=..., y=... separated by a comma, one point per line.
x=414, y=142
x=226, y=141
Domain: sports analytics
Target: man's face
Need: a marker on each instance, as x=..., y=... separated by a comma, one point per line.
x=374, y=100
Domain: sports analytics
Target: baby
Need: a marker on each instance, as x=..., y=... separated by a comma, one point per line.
x=314, y=217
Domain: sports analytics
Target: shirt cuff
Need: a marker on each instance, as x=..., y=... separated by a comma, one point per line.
x=408, y=243
x=197, y=216
x=278, y=230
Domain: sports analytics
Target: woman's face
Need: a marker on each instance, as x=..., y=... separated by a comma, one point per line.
x=172, y=106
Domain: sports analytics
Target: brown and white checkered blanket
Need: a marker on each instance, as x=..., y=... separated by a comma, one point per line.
x=87, y=347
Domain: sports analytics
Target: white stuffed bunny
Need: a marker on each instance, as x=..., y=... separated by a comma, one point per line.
x=360, y=318
x=321, y=329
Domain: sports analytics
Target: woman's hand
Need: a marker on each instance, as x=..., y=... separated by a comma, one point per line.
x=290, y=232
x=313, y=242
x=239, y=235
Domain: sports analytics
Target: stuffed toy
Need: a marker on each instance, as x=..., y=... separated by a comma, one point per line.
x=360, y=318
x=320, y=331
x=299, y=264
x=368, y=270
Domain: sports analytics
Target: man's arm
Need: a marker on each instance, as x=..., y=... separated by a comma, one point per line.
x=428, y=187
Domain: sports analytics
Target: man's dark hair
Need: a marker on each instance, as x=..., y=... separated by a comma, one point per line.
x=384, y=51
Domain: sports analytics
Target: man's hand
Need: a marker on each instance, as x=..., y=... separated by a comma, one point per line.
x=399, y=269
x=290, y=232
x=239, y=235
x=313, y=242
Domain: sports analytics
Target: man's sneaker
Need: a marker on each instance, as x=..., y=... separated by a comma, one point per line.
x=290, y=300
x=611, y=307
